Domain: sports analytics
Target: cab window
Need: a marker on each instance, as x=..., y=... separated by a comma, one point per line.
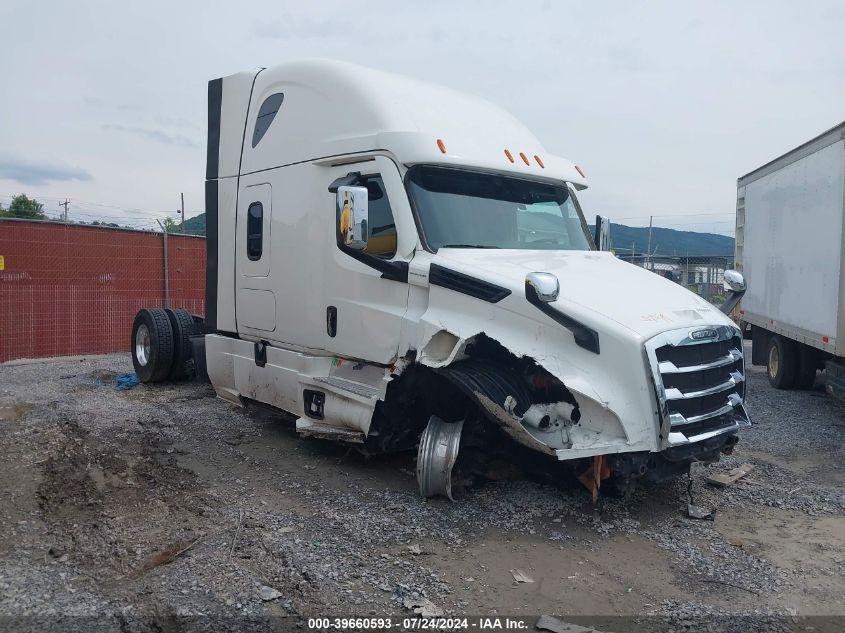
x=382, y=242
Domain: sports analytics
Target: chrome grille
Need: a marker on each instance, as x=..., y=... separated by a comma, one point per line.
x=703, y=380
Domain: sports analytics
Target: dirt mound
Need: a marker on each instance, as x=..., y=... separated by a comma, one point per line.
x=113, y=508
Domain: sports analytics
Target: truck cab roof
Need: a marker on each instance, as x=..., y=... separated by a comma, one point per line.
x=318, y=109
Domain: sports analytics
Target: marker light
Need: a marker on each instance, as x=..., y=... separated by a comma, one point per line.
x=539, y=162
x=578, y=169
x=441, y=145
x=524, y=158
x=509, y=155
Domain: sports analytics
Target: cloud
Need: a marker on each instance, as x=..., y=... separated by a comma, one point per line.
x=29, y=173
x=292, y=27
x=154, y=135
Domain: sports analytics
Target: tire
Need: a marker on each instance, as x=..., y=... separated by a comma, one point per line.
x=781, y=362
x=152, y=345
x=805, y=377
x=183, y=327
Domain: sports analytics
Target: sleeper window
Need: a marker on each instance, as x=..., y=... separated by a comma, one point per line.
x=255, y=231
x=266, y=114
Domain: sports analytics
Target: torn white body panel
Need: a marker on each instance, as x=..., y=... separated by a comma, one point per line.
x=615, y=389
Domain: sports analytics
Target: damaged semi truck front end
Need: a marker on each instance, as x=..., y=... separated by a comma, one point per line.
x=400, y=266
x=578, y=382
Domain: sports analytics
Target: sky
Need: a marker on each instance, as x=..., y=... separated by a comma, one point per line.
x=663, y=104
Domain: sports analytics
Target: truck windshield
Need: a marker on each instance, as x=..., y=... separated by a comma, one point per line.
x=467, y=209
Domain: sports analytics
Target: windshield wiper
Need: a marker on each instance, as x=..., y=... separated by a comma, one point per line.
x=467, y=246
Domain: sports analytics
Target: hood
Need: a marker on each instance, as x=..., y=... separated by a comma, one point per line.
x=591, y=283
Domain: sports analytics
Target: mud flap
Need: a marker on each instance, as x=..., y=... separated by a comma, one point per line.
x=438, y=450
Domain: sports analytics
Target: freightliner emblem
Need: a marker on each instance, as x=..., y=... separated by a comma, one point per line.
x=702, y=334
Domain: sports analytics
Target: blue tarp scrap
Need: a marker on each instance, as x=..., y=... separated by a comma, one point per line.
x=127, y=381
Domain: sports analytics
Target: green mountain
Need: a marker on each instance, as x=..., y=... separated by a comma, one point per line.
x=665, y=241
x=668, y=242
x=195, y=225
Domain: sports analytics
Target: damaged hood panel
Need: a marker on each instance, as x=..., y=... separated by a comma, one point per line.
x=591, y=284
x=614, y=389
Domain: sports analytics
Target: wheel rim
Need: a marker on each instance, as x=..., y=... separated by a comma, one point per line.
x=774, y=361
x=142, y=345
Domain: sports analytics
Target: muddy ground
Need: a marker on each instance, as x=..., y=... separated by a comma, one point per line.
x=162, y=508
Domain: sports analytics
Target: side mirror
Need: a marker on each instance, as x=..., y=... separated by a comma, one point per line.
x=734, y=281
x=735, y=285
x=602, y=237
x=353, y=218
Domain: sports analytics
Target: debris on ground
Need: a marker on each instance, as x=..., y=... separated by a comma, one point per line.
x=424, y=607
x=520, y=576
x=548, y=623
x=268, y=593
x=729, y=478
x=7, y=414
x=164, y=556
x=697, y=512
x=414, y=549
x=127, y=381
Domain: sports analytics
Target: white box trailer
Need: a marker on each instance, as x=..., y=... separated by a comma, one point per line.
x=400, y=265
x=790, y=240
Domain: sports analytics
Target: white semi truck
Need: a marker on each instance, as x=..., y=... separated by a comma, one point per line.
x=790, y=246
x=400, y=265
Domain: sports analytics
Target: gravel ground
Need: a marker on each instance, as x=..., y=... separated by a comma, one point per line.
x=163, y=508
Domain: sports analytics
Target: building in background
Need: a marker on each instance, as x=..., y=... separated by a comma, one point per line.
x=702, y=274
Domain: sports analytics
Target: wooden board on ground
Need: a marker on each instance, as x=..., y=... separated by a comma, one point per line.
x=731, y=477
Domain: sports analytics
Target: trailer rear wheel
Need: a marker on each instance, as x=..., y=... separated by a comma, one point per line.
x=781, y=362
x=183, y=326
x=152, y=345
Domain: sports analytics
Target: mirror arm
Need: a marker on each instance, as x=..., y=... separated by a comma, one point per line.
x=731, y=301
x=351, y=179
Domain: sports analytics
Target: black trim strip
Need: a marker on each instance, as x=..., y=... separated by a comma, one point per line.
x=466, y=284
x=349, y=180
x=215, y=105
x=585, y=337
x=211, y=233
x=393, y=270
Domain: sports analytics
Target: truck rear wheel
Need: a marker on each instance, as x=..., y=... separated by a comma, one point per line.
x=152, y=345
x=781, y=362
x=183, y=327
x=805, y=377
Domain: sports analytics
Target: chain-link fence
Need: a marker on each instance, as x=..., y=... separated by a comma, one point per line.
x=702, y=274
x=74, y=289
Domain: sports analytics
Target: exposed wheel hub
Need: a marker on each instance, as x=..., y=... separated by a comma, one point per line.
x=774, y=361
x=437, y=453
x=142, y=345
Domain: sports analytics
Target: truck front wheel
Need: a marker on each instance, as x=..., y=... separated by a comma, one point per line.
x=152, y=345
x=781, y=362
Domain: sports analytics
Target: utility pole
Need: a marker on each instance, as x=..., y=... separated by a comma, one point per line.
x=65, y=205
x=648, y=250
x=182, y=226
x=166, y=268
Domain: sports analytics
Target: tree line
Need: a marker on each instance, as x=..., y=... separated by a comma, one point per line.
x=23, y=207
x=26, y=208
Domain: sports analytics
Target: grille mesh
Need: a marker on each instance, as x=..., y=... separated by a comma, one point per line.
x=679, y=384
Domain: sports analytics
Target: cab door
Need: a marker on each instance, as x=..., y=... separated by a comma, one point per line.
x=254, y=297
x=366, y=292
